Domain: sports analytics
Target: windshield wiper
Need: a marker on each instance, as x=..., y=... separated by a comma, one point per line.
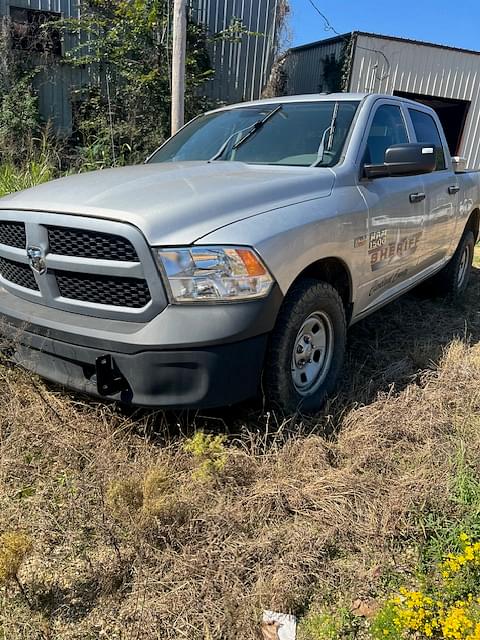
x=252, y=129
x=330, y=131
x=221, y=151
x=256, y=126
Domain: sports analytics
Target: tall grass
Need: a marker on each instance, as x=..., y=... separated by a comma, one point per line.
x=41, y=164
x=35, y=172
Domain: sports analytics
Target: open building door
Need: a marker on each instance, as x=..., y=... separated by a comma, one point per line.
x=452, y=113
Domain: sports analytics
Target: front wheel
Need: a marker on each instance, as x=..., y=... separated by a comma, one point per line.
x=307, y=347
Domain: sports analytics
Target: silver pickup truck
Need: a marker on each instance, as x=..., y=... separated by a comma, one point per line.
x=236, y=257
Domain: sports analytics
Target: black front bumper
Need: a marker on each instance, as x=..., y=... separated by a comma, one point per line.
x=207, y=356
x=207, y=377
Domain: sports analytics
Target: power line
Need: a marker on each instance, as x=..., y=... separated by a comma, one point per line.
x=328, y=24
x=330, y=27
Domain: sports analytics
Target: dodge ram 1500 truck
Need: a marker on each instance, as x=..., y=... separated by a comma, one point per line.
x=236, y=257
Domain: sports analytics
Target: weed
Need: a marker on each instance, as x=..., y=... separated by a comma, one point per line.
x=14, y=547
x=124, y=496
x=326, y=625
x=208, y=452
x=15, y=179
x=385, y=625
x=444, y=608
x=157, y=498
x=442, y=529
x=141, y=498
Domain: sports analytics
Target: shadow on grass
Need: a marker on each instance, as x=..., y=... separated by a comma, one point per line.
x=388, y=350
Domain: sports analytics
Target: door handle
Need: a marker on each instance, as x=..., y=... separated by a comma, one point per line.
x=417, y=197
x=453, y=189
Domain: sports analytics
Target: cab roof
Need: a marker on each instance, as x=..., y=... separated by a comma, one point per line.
x=309, y=97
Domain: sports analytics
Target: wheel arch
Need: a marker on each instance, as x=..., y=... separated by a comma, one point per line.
x=335, y=272
x=473, y=224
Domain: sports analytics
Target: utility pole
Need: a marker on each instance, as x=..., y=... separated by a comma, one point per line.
x=178, y=63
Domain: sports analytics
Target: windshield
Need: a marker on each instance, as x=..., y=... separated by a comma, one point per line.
x=292, y=134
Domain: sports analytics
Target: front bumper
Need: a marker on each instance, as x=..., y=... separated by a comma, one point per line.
x=186, y=357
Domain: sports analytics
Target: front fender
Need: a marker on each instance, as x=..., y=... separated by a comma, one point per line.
x=292, y=238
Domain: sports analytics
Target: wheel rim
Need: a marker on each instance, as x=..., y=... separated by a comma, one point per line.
x=312, y=353
x=463, y=267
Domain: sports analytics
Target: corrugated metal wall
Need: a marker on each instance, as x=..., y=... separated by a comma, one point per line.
x=54, y=86
x=305, y=66
x=384, y=66
x=241, y=68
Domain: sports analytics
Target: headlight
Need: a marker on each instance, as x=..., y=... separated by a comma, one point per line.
x=217, y=274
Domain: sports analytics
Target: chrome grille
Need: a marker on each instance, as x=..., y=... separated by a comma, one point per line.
x=117, y=292
x=13, y=234
x=83, y=243
x=18, y=273
x=89, y=266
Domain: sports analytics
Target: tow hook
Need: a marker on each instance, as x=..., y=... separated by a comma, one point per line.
x=109, y=378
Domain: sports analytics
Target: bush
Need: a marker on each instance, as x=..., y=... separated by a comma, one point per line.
x=18, y=120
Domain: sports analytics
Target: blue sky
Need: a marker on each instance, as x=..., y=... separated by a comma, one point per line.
x=442, y=21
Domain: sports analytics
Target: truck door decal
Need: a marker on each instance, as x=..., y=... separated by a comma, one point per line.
x=388, y=254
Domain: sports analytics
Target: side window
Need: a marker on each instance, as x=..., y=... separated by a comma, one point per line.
x=426, y=130
x=388, y=128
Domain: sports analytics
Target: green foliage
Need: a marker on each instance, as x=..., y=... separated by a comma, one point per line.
x=123, y=113
x=126, y=113
x=14, y=178
x=445, y=607
x=38, y=163
x=385, y=625
x=326, y=625
x=18, y=119
x=443, y=530
x=18, y=104
x=208, y=452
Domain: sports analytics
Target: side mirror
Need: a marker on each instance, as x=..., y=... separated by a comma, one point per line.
x=404, y=160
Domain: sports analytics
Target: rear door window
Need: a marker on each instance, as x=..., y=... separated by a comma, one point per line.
x=426, y=131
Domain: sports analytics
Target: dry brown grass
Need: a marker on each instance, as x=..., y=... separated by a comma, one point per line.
x=130, y=542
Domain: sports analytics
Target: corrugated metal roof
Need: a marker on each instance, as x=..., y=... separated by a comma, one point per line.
x=346, y=36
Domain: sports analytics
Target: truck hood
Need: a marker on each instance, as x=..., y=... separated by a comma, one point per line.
x=177, y=203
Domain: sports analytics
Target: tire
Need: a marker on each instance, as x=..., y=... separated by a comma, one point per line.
x=306, y=349
x=453, y=279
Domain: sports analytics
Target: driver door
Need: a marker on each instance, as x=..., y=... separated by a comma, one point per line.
x=396, y=211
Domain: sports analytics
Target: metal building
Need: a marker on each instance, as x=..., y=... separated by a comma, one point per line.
x=445, y=78
x=55, y=85
x=242, y=67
